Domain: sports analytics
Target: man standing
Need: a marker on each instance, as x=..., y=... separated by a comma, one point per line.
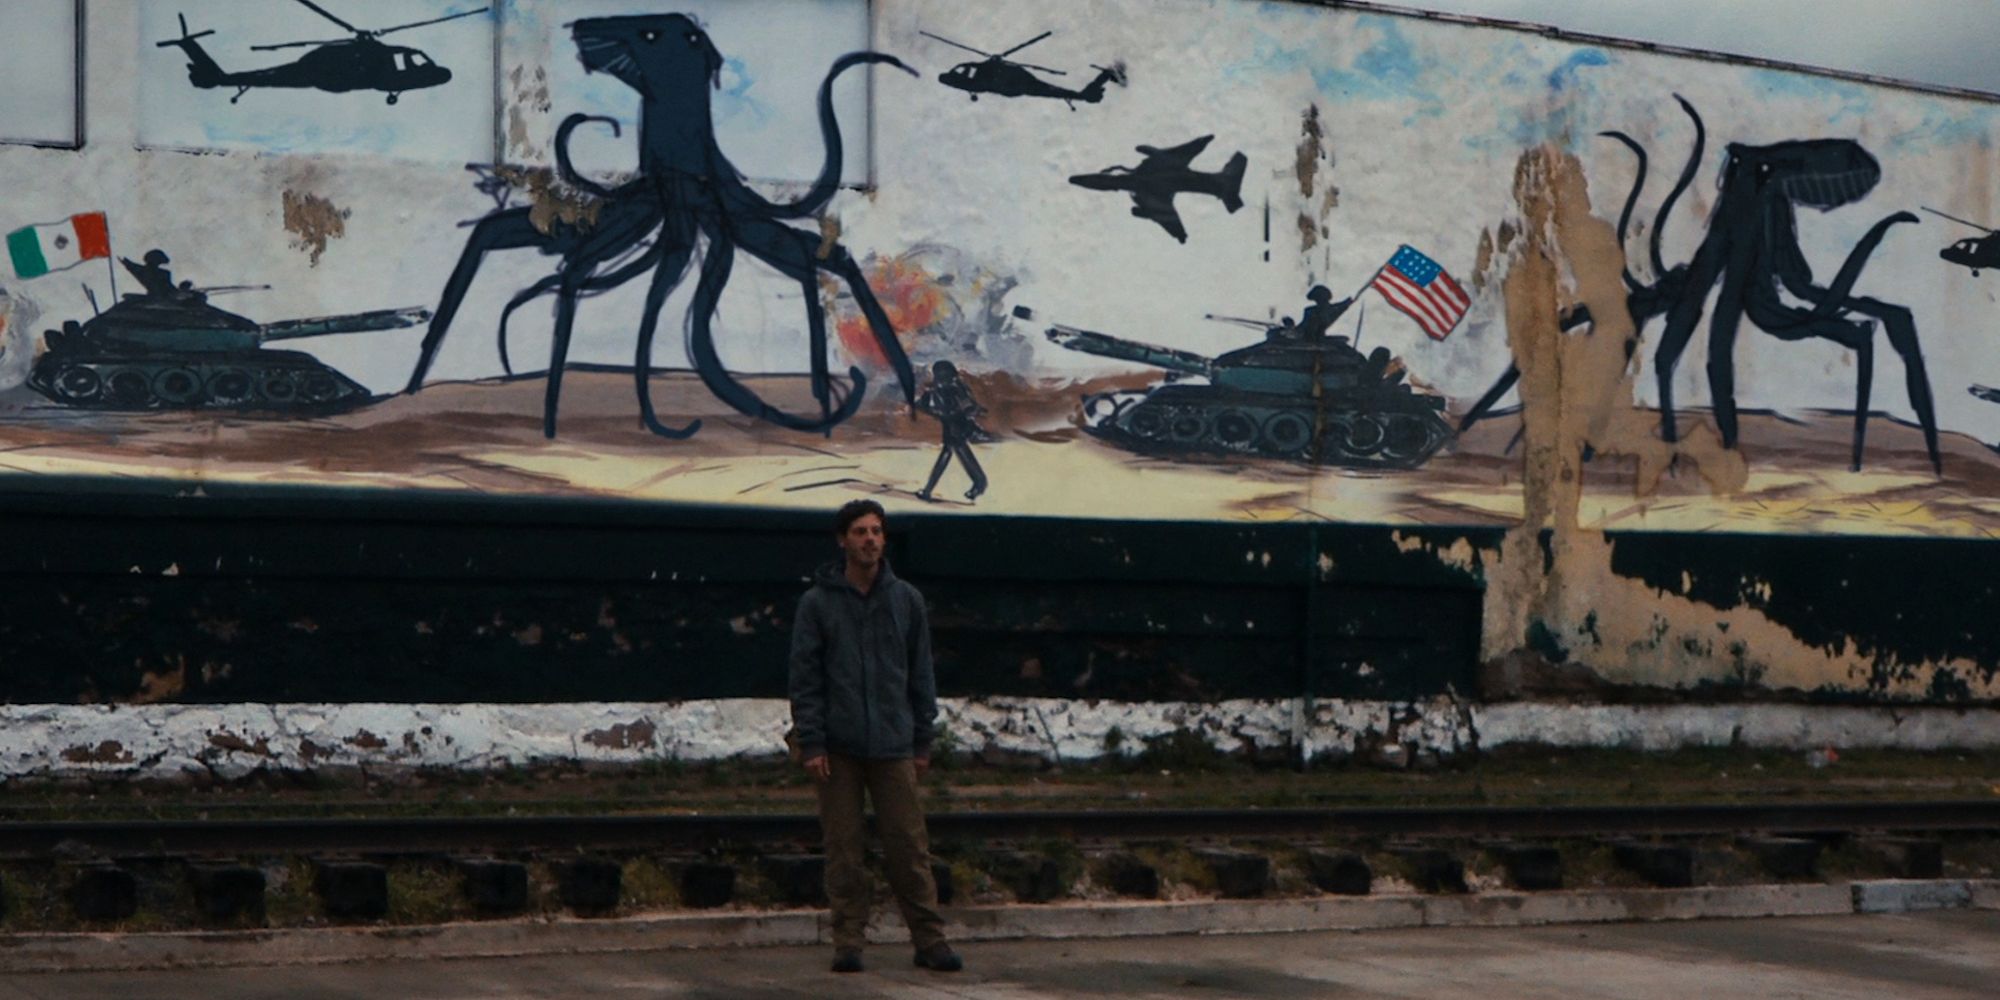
x=864, y=708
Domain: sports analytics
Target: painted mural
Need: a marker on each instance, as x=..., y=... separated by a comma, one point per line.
x=1190, y=259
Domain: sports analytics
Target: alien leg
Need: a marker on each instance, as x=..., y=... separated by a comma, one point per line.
x=672, y=266
x=1722, y=330
x=1681, y=321
x=1901, y=328
x=506, y=230
x=843, y=264
x=566, y=298
x=795, y=255
x=1864, y=381
x=708, y=364
x=1790, y=323
x=1492, y=397
x=599, y=283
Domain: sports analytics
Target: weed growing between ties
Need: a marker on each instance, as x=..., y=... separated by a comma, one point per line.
x=1182, y=875
x=34, y=900
x=426, y=892
x=648, y=884
x=1593, y=864
x=289, y=899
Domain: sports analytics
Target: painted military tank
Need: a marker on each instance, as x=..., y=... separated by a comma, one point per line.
x=167, y=348
x=1315, y=400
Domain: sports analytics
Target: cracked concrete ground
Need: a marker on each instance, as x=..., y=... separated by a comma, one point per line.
x=1916, y=957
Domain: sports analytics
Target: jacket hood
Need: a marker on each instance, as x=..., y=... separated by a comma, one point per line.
x=834, y=575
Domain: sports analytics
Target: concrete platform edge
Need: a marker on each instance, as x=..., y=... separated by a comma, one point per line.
x=496, y=939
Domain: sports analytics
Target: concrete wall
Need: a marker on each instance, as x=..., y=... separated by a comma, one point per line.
x=1359, y=131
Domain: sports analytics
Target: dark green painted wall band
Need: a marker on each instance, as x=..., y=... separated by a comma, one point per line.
x=279, y=595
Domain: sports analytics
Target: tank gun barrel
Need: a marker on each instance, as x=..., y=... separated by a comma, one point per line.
x=1254, y=324
x=1130, y=350
x=380, y=319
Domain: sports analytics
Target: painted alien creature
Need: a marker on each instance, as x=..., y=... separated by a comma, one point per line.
x=686, y=189
x=1752, y=248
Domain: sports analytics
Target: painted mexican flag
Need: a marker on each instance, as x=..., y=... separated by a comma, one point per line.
x=37, y=250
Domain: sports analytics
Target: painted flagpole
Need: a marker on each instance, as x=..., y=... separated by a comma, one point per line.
x=1357, y=299
x=111, y=263
x=1370, y=283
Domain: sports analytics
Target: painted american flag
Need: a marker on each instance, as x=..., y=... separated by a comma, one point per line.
x=1422, y=289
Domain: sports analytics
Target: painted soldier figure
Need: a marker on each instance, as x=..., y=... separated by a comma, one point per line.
x=153, y=275
x=1321, y=315
x=864, y=715
x=950, y=400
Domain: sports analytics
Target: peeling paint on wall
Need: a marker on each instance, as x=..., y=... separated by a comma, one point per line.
x=314, y=222
x=530, y=92
x=550, y=201
x=1313, y=165
x=1461, y=554
x=229, y=742
x=17, y=337
x=1553, y=595
x=624, y=736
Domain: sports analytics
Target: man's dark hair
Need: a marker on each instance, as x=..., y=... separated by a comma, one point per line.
x=855, y=510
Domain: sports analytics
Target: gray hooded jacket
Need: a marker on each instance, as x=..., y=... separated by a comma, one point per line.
x=861, y=677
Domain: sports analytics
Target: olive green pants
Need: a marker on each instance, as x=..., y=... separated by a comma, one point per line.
x=906, y=848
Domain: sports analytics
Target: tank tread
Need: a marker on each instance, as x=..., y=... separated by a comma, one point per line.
x=1400, y=438
x=261, y=380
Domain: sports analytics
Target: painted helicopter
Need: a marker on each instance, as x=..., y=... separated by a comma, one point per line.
x=1165, y=173
x=335, y=66
x=1973, y=252
x=1003, y=77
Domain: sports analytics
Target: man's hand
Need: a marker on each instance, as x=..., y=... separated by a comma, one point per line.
x=818, y=767
x=922, y=762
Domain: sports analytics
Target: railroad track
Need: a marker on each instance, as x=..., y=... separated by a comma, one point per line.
x=413, y=836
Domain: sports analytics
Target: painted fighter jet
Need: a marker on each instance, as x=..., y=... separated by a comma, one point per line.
x=1165, y=173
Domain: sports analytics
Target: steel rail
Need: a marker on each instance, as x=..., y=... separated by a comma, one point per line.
x=433, y=835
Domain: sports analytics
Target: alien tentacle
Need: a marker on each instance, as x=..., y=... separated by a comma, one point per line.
x=740, y=198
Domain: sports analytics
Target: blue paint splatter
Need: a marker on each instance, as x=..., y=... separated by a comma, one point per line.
x=302, y=135
x=734, y=103
x=1854, y=102
x=1566, y=74
x=1950, y=126
x=1389, y=69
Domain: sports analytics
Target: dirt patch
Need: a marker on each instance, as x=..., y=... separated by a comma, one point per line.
x=365, y=740
x=106, y=752
x=233, y=743
x=624, y=736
